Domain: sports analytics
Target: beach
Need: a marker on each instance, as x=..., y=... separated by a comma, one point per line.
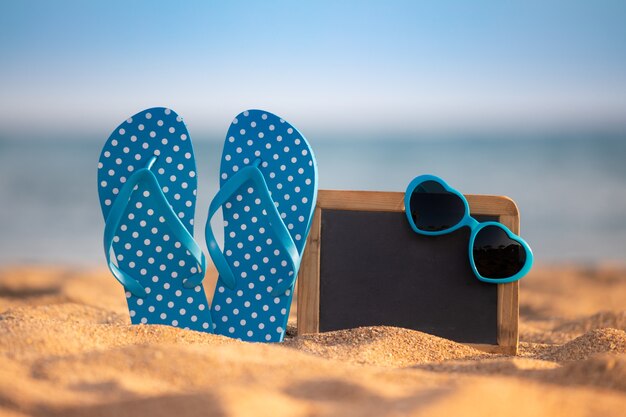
x=329, y=143
x=67, y=348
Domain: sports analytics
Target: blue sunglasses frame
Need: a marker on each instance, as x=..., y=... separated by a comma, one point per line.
x=467, y=221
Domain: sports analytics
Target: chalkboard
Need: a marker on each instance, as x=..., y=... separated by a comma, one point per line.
x=364, y=266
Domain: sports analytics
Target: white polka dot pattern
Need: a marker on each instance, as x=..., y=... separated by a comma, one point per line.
x=250, y=312
x=144, y=244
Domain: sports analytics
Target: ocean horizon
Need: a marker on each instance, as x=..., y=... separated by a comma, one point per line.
x=570, y=190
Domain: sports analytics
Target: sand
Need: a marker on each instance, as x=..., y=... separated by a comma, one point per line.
x=66, y=348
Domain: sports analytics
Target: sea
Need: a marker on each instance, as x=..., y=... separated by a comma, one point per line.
x=571, y=190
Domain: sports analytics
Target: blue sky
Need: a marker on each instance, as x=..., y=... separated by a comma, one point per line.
x=340, y=69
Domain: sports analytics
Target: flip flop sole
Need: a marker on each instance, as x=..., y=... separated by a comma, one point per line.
x=144, y=245
x=259, y=263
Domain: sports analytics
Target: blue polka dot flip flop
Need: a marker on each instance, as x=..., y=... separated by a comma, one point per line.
x=147, y=188
x=268, y=194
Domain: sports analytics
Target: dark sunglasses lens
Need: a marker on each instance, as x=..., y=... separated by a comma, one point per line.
x=434, y=209
x=496, y=255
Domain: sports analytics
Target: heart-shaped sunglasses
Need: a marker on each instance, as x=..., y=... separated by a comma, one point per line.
x=496, y=254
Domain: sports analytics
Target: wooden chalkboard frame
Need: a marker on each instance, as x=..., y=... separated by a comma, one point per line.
x=308, y=295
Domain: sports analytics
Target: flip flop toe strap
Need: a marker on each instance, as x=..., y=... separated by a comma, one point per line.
x=144, y=178
x=251, y=173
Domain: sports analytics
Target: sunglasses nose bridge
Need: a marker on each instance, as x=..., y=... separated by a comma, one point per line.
x=471, y=222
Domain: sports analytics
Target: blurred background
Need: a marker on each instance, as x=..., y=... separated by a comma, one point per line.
x=525, y=99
